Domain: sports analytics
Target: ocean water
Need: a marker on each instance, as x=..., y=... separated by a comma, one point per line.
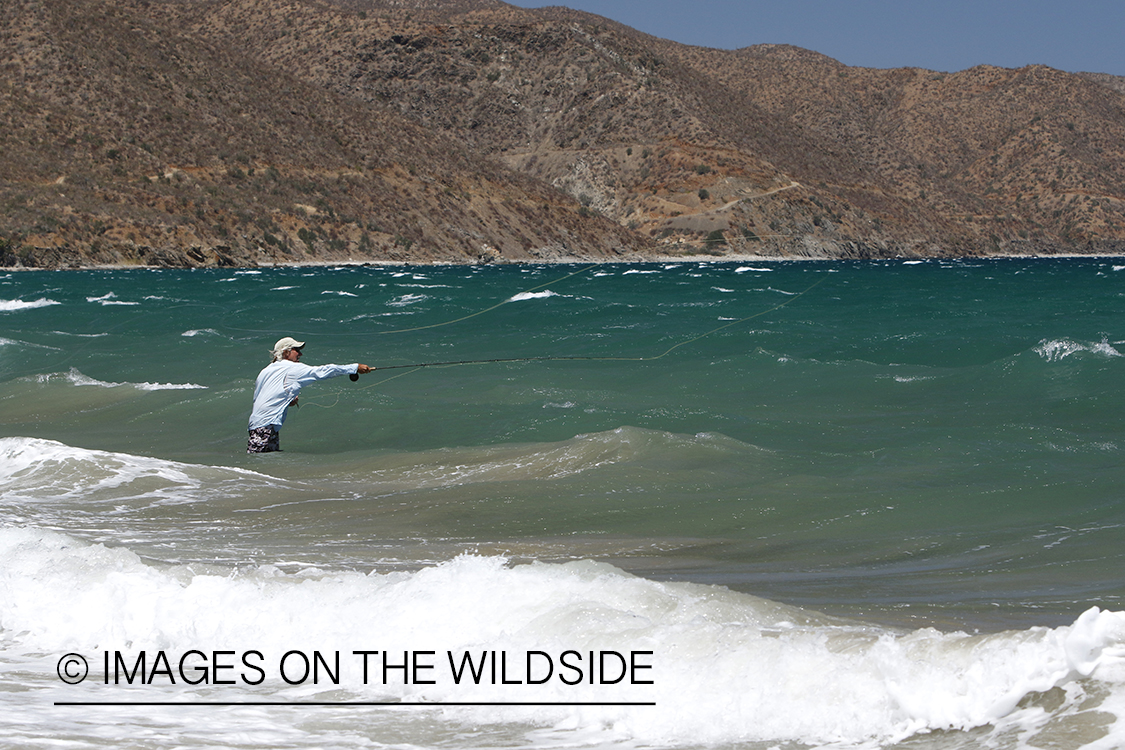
x=696, y=505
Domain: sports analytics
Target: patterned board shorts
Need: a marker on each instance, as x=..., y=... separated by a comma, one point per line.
x=263, y=440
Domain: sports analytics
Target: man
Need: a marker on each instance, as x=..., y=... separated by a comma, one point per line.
x=277, y=388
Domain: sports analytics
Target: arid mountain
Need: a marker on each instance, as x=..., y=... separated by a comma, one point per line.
x=199, y=131
x=128, y=138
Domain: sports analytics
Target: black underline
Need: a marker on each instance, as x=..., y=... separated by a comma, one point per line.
x=383, y=704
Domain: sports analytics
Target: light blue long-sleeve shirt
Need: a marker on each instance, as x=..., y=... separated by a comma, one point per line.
x=280, y=382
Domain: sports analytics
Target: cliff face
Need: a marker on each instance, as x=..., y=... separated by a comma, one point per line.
x=192, y=132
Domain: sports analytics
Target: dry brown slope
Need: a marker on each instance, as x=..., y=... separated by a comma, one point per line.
x=1015, y=154
x=289, y=128
x=126, y=138
x=576, y=101
x=888, y=161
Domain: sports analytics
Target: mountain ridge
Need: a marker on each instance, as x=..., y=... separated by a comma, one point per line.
x=188, y=132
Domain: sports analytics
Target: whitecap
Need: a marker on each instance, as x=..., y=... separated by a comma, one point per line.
x=532, y=295
x=200, y=332
x=167, y=386
x=74, y=377
x=13, y=305
x=407, y=299
x=37, y=471
x=340, y=294
x=716, y=667
x=1104, y=348
x=110, y=299
x=1055, y=350
x=563, y=405
x=744, y=269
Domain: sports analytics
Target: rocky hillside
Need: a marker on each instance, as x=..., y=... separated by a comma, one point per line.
x=196, y=131
x=127, y=138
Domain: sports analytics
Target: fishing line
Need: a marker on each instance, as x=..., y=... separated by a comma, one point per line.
x=574, y=358
x=480, y=312
x=421, y=327
x=563, y=358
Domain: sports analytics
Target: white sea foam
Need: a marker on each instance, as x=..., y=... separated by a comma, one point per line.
x=38, y=471
x=1054, y=350
x=200, y=332
x=166, y=386
x=407, y=299
x=532, y=295
x=726, y=668
x=109, y=299
x=744, y=269
x=74, y=377
x=14, y=305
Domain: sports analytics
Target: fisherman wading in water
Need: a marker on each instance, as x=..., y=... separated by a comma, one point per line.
x=277, y=388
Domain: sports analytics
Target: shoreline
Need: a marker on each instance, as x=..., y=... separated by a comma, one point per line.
x=701, y=258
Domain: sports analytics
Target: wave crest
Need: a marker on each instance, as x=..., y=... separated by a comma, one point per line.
x=76, y=378
x=1056, y=350
x=14, y=305
x=725, y=667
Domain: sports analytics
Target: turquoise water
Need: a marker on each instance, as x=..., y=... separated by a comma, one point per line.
x=714, y=461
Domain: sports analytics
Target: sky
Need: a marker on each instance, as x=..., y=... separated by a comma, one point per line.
x=948, y=36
